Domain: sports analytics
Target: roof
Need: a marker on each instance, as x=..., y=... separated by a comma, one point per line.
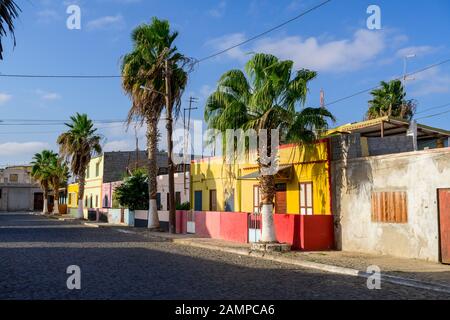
x=117, y=163
x=391, y=127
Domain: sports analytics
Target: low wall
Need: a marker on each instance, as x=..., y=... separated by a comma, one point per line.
x=317, y=233
x=234, y=226
x=207, y=224
x=309, y=233
x=230, y=226
x=141, y=219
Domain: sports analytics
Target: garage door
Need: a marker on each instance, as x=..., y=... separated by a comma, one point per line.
x=18, y=199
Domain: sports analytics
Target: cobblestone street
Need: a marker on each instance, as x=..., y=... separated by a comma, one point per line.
x=35, y=252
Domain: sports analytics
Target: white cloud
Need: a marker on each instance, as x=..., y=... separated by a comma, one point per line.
x=331, y=56
x=4, y=98
x=21, y=148
x=107, y=22
x=48, y=96
x=118, y=145
x=417, y=50
x=47, y=15
x=219, y=10
x=432, y=81
x=227, y=41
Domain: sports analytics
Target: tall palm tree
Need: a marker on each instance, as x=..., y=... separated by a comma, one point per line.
x=41, y=172
x=77, y=146
x=390, y=100
x=270, y=96
x=8, y=12
x=59, y=175
x=144, y=76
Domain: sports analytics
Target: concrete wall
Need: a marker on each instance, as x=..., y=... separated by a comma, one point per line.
x=351, y=146
x=163, y=188
x=17, y=198
x=419, y=174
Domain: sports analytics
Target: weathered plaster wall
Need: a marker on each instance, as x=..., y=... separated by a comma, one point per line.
x=419, y=174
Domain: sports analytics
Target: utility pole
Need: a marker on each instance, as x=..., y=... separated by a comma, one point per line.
x=187, y=129
x=322, y=98
x=169, y=127
x=405, y=69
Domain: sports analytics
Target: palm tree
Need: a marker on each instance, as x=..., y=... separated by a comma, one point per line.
x=41, y=172
x=8, y=12
x=77, y=146
x=144, y=79
x=390, y=100
x=59, y=174
x=267, y=96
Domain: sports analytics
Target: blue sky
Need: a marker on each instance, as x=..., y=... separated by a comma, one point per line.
x=332, y=40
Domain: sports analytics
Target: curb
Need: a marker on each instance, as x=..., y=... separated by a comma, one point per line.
x=418, y=284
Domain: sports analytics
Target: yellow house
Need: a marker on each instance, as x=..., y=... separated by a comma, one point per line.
x=303, y=184
x=72, y=196
x=94, y=182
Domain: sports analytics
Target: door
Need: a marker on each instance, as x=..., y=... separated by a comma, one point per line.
x=212, y=200
x=280, y=199
x=198, y=201
x=38, y=204
x=444, y=224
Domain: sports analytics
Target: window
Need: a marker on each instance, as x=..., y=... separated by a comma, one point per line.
x=97, y=169
x=306, y=199
x=178, y=198
x=6, y=180
x=86, y=201
x=13, y=177
x=105, y=201
x=389, y=207
x=0, y=193
x=87, y=172
x=91, y=201
x=158, y=201
x=256, y=199
x=96, y=201
x=212, y=200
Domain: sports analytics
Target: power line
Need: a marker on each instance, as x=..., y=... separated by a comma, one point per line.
x=265, y=32
x=434, y=115
x=197, y=60
x=432, y=108
x=399, y=78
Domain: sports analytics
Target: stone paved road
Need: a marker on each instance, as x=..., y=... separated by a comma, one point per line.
x=35, y=252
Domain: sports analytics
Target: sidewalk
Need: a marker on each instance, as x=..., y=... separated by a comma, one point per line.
x=408, y=272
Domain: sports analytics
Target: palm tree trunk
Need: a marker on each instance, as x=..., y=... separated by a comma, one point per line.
x=80, y=214
x=45, y=208
x=152, y=143
x=267, y=187
x=56, y=200
x=169, y=126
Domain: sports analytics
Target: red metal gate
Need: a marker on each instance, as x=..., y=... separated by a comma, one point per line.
x=444, y=224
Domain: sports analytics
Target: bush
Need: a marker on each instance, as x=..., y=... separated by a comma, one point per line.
x=184, y=206
x=133, y=193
